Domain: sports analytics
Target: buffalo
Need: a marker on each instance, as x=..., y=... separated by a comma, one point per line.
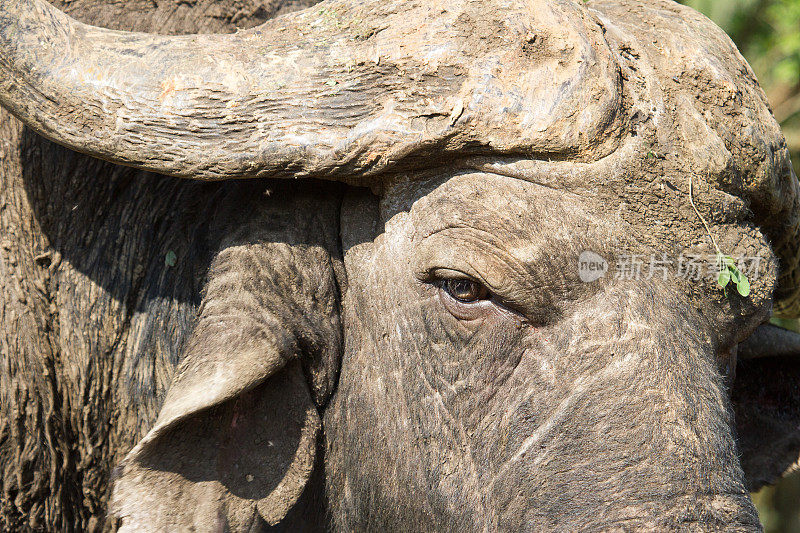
x=390, y=265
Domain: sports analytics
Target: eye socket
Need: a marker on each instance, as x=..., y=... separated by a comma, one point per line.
x=465, y=290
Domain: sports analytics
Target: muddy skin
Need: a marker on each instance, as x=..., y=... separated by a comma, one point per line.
x=419, y=354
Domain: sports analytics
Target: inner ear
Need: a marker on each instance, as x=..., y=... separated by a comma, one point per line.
x=230, y=467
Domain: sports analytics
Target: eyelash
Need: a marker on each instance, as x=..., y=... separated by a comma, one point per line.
x=465, y=291
x=464, y=298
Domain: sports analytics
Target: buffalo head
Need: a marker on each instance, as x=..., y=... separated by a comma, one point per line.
x=426, y=343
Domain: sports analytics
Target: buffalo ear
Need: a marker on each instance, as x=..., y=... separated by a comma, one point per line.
x=232, y=467
x=766, y=401
x=234, y=445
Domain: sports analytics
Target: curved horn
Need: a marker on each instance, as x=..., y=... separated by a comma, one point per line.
x=338, y=90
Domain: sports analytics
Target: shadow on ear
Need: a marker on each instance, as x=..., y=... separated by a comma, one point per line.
x=239, y=465
x=766, y=400
x=234, y=445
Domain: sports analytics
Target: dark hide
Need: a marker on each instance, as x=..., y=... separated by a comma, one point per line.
x=766, y=398
x=94, y=322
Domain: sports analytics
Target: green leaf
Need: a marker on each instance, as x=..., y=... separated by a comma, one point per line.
x=170, y=259
x=743, y=287
x=729, y=262
x=736, y=276
x=724, y=278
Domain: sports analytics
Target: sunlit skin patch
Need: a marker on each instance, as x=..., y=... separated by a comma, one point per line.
x=167, y=88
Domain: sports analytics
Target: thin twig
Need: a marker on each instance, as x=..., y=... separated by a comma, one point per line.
x=691, y=201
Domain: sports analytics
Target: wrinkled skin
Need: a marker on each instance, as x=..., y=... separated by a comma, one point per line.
x=518, y=415
x=303, y=366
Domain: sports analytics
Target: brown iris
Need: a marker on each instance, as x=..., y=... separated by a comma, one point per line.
x=465, y=290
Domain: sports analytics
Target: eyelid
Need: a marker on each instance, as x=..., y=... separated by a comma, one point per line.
x=521, y=288
x=484, y=293
x=468, y=310
x=439, y=274
x=442, y=274
x=442, y=255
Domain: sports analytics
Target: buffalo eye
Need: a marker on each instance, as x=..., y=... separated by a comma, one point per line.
x=465, y=290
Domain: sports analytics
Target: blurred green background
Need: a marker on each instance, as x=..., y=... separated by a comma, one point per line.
x=767, y=33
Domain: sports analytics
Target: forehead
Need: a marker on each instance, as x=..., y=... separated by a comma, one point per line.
x=489, y=215
x=500, y=205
